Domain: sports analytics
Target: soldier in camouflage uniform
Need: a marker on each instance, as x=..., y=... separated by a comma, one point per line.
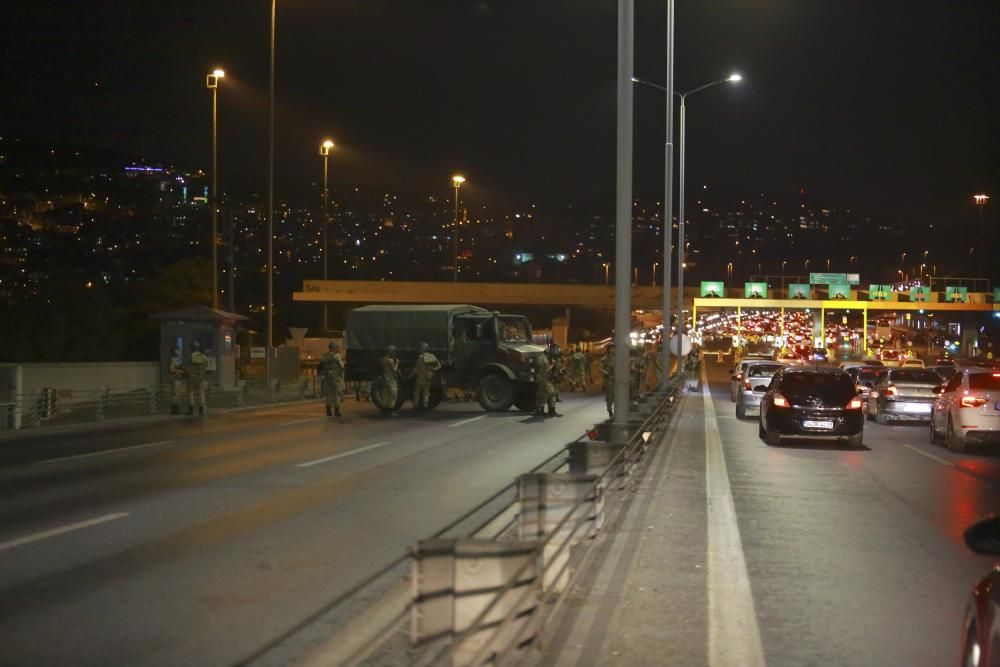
x=577, y=370
x=556, y=376
x=196, y=378
x=545, y=393
x=427, y=365
x=390, y=371
x=608, y=372
x=176, y=374
x=332, y=367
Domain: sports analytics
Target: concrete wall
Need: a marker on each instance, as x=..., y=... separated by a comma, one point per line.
x=84, y=377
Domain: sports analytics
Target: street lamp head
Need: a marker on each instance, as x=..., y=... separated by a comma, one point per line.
x=324, y=148
x=735, y=77
x=981, y=199
x=212, y=78
x=218, y=73
x=457, y=180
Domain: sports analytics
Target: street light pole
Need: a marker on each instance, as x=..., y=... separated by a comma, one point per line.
x=456, y=181
x=668, y=194
x=270, y=206
x=981, y=200
x=652, y=279
x=212, y=82
x=324, y=150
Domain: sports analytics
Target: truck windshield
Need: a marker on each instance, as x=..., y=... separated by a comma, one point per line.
x=513, y=330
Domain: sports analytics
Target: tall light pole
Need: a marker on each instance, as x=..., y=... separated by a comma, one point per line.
x=981, y=200
x=607, y=267
x=212, y=82
x=732, y=78
x=668, y=194
x=652, y=279
x=456, y=181
x=324, y=151
x=270, y=206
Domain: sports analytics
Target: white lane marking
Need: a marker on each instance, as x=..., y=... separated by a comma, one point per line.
x=467, y=421
x=301, y=421
x=932, y=457
x=733, y=635
x=103, y=452
x=34, y=537
x=342, y=455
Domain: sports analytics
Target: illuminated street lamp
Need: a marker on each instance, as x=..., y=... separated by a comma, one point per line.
x=212, y=83
x=981, y=200
x=607, y=267
x=456, y=181
x=324, y=151
x=652, y=280
x=269, y=350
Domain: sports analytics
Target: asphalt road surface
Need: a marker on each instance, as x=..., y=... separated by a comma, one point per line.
x=736, y=553
x=197, y=541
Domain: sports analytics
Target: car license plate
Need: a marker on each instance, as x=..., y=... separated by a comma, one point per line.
x=812, y=423
x=916, y=407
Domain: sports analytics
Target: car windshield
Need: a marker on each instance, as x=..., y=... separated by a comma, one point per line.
x=914, y=375
x=867, y=374
x=828, y=386
x=764, y=370
x=513, y=330
x=985, y=381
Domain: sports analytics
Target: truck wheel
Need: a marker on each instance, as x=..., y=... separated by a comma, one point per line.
x=495, y=393
x=525, y=401
x=379, y=395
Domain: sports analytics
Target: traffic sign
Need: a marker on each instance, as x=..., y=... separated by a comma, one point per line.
x=712, y=288
x=755, y=290
x=834, y=278
x=682, y=341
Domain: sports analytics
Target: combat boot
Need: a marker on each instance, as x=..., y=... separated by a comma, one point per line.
x=329, y=412
x=553, y=413
x=191, y=410
x=539, y=412
x=336, y=412
x=201, y=410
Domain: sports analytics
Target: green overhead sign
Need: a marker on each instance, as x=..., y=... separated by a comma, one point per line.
x=799, y=291
x=920, y=294
x=711, y=288
x=755, y=290
x=879, y=292
x=839, y=292
x=956, y=294
x=996, y=295
x=834, y=278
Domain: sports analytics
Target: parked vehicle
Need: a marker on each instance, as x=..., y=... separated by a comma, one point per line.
x=755, y=381
x=967, y=410
x=902, y=394
x=981, y=625
x=737, y=374
x=912, y=363
x=891, y=358
x=811, y=403
x=479, y=350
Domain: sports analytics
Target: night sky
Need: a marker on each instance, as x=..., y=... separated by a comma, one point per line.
x=891, y=106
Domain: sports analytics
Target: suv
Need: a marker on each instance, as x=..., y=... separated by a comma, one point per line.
x=967, y=410
x=479, y=350
x=811, y=403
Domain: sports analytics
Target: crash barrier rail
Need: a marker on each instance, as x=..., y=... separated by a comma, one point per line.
x=473, y=589
x=52, y=406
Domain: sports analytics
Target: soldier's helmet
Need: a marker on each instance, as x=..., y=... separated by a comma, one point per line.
x=424, y=347
x=334, y=345
x=195, y=345
x=391, y=349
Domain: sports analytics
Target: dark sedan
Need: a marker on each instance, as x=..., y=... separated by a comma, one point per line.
x=981, y=628
x=812, y=403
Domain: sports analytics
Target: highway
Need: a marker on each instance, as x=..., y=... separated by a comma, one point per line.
x=823, y=555
x=199, y=541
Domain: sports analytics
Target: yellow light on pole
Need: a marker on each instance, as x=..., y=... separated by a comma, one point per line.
x=456, y=181
x=212, y=83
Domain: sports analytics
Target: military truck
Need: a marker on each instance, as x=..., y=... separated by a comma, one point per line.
x=480, y=350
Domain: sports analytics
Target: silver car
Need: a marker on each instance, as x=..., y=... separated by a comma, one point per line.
x=756, y=378
x=968, y=409
x=903, y=394
x=737, y=374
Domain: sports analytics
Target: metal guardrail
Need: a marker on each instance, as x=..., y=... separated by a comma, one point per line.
x=494, y=520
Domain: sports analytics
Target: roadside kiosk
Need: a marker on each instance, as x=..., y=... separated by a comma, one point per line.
x=214, y=329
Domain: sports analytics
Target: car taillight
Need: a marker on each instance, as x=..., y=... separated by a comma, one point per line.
x=746, y=384
x=780, y=401
x=973, y=401
x=739, y=376
x=854, y=404
x=861, y=388
x=890, y=391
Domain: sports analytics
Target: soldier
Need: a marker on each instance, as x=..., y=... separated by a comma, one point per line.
x=577, y=370
x=176, y=374
x=608, y=372
x=332, y=368
x=427, y=365
x=390, y=371
x=556, y=376
x=196, y=378
x=545, y=393
x=589, y=357
x=635, y=372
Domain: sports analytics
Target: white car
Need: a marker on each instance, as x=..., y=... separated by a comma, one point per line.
x=737, y=375
x=912, y=363
x=968, y=409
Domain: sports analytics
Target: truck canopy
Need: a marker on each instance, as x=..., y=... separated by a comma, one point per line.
x=377, y=327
